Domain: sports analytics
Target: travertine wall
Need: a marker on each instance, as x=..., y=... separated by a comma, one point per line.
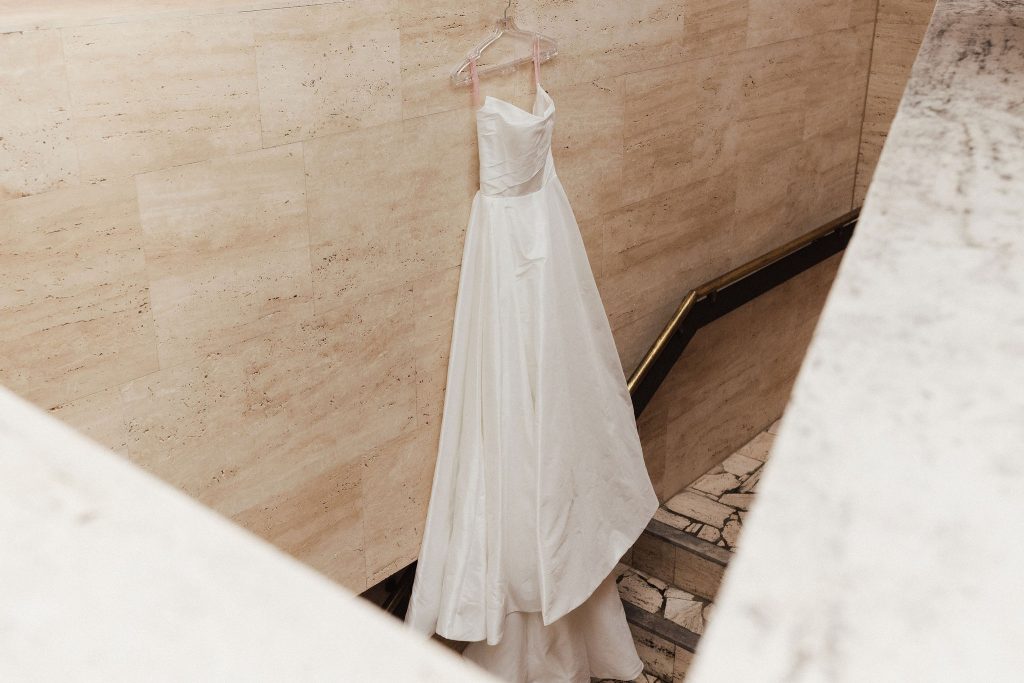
x=899, y=30
x=231, y=238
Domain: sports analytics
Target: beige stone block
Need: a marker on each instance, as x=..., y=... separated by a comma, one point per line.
x=731, y=532
x=658, y=249
x=587, y=144
x=716, y=484
x=327, y=69
x=771, y=110
x=700, y=508
x=863, y=12
x=337, y=385
x=190, y=425
x=37, y=152
x=371, y=349
x=837, y=85
x=226, y=249
x=709, y=534
x=99, y=416
x=774, y=21
x=319, y=521
x=759, y=447
x=740, y=465
x=740, y=501
x=279, y=431
x=637, y=590
x=436, y=35
x=604, y=39
x=714, y=27
x=74, y=308
x=389, y=205
x=397, y=477
x=435, y=298
x=679, y=125
x=153, y=94
x=906, y=13
x=684, y=609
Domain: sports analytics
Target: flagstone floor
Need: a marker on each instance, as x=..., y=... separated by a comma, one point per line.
x=713, y=509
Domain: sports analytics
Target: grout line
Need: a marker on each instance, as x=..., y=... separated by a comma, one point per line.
x=864, y=108
x=256, y=77
x=309, y=232
x=71, y=111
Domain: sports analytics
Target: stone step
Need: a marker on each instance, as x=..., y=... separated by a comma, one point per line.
x=692, y=536
x=666, y=623
x=669, y=578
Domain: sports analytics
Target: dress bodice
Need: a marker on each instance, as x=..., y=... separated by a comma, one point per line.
x=515, y=146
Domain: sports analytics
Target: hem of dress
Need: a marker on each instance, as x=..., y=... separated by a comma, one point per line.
x=616, y=676
x=616, y=555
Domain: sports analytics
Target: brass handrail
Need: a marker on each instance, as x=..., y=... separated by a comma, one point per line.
x=721, y=282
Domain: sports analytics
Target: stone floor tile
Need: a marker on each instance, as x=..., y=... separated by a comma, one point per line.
x=684, y=609
x=709, y=534
x=636, y=590
x=739, y=464
x=731, y=532
x=750, y=482
x=740, y=501
x=716, y=484
x=759, y=447
x=672, y=519
x=699, y=508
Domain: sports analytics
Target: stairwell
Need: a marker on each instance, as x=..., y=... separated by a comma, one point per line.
x=669, y=579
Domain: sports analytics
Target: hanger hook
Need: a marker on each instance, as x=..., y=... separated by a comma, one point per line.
x=507, y=8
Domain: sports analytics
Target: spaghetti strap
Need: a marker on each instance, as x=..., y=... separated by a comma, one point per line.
x=536, y=62
x=475, y=78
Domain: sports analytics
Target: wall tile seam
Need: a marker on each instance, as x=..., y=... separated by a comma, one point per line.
x=151, y=15
x=71, y=111
x=864, y=109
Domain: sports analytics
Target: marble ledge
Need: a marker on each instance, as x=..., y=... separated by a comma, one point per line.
x=883, y=544
x=114, y=575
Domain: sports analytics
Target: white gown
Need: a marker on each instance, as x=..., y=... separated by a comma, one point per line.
x=540, y=484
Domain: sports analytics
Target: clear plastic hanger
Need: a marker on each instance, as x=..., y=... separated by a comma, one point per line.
x=506, y=26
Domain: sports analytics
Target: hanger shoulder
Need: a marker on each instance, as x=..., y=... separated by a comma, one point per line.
x=505, y=27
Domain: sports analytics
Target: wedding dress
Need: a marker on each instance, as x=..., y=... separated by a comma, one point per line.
x=540, y=484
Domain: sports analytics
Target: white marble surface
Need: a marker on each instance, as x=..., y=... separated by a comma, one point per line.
x=107, y=574
x=886, y=542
